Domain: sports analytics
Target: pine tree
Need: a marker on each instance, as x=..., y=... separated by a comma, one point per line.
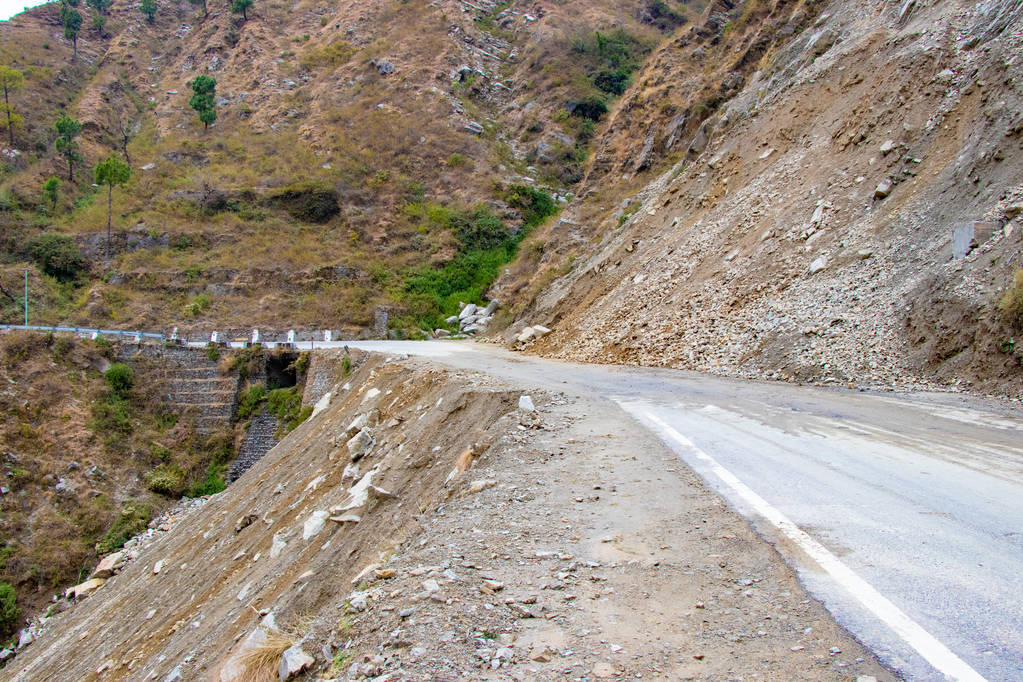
x=72, y=21
x=67, y=130
x=203, y=98
x=241, y=6
x=111, y=171
x=10, y=80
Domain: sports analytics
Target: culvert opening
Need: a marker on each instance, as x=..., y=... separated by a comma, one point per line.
x=280, y=370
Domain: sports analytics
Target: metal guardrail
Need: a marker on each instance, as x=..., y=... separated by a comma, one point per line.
x=87, y=331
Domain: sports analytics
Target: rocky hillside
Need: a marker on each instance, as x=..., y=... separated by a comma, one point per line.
x=805, y=191
x=364, y=156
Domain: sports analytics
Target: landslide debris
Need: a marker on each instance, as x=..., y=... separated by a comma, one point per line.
x=822, y=192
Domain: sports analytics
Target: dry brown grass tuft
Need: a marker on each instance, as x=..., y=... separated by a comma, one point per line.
x=1011, y=304
x=262, y=662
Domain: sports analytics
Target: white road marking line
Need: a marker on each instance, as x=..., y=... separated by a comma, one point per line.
x=936, y=653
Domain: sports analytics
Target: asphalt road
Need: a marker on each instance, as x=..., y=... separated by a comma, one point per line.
x=902, y=514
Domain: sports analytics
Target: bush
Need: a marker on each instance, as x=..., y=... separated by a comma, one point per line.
x=111, y=415
x=57, y=256
x=479, y=230
x=17, y=346
x=536, y=205
x=133, y=520
x=286, y=405
x=8, y=609
x=199, y=305
x=119, y=378
x=592, y=108
x=212, y=484
x=309, y=202
x=166, y=479
x=1011, y=304
x=250, y=401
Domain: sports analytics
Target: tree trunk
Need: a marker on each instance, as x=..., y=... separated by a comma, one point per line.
x=10, y=127
x=74, y=54
x=70, y=170
x=110, y=199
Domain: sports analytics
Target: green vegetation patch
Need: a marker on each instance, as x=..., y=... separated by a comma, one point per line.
x=485, y=245
x=611, y=58
x=132, y=520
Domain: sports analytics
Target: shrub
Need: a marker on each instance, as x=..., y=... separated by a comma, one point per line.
x=17, y=346
x=286, y=405
x=309, y=202
x=166, y=479
x=133, y=520
x=1011, y=304
x=591, y=107
x=8, y=609
x=57, y=255
x=111, y=415
x=250, y=401
x=199, y=305
x=536, y=205
x=212, y=484
x=479, y=230
x=119, y=378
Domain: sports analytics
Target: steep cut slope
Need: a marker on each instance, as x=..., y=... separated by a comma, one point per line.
x=806, y=230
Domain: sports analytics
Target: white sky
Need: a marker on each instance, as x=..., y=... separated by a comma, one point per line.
x=8, y=8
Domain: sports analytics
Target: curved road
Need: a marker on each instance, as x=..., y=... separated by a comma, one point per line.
x=903, y=515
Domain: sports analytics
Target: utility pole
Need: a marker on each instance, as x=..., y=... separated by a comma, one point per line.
x=26, y=297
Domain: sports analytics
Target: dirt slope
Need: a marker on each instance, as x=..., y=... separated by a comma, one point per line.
x=572, y=546
x=761, y=245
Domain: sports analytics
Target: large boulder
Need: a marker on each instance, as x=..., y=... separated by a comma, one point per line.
x=108, y=566
x=294, y=661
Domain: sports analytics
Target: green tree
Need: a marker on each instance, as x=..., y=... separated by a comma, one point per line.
x=203, y=99
x=202, y=3
x=10, y=80
x=148, y=8
x=57, y=255
x=111, y=171
x=241, y=7
x=50, y=188
x=67, y=130
x=101, y=6
x=72, y=21
x=120, y=378
x=99, y=24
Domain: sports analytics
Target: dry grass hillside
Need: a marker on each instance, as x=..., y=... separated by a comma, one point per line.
x=364, y=155
x=82, y=451
x=777, y=196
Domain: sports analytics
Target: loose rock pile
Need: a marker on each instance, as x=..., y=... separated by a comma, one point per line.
x=470, y=320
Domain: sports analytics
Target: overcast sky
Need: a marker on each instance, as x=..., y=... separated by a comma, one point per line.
x=8, y=8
